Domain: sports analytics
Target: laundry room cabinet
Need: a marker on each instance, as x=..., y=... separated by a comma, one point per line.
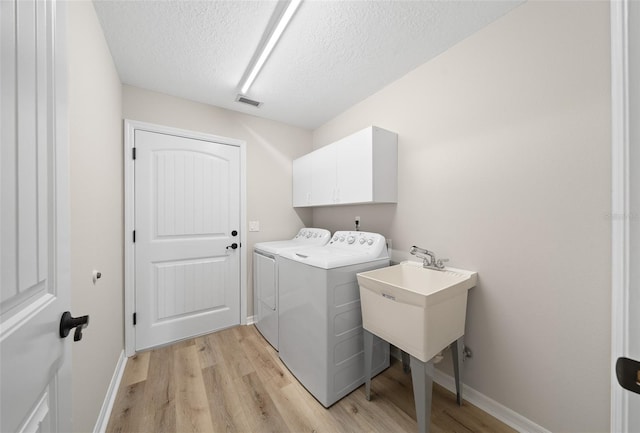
x=360, y=168
x=302, y=180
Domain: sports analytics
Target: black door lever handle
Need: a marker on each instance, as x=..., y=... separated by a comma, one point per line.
x=233, y=246
x=67, y=323
x=628, y=374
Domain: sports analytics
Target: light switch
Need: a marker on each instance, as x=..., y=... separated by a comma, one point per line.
x=254, y=226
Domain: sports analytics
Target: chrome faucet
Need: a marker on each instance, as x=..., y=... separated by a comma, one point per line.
x=429, y=260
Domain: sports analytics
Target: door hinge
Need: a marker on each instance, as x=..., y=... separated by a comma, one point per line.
x=134, y=236
x=135, y=319
x=133, y=152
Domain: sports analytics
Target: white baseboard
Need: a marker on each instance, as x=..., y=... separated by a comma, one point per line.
x=109, y=399
x=490, y=406
x=251, y=320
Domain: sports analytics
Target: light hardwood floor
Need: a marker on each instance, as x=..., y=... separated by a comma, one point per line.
x=233, y=381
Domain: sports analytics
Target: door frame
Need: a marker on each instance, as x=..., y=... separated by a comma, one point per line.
x=130, y=126
x=621, y=213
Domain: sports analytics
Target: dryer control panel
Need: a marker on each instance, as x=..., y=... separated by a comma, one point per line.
x=312, y=233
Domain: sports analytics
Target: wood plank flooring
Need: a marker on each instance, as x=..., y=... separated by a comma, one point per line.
x=233, y=381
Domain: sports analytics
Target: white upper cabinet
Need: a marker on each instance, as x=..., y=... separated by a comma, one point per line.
x=360, y=168
x=323, y=176
x=302, y=183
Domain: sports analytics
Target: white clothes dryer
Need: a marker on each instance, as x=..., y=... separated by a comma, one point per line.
x=265, y=277
x=321, y=338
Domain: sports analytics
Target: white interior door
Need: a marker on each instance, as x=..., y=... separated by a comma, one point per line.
x=634, y=204
x=625, y=50
x=187, y=222
x=34, y=241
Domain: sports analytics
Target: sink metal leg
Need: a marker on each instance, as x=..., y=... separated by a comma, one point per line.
x=405, y=362
x=368, y=360
x=457, y=352
x=422, y=378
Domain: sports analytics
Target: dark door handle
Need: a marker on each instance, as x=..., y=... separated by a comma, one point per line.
x=233, y=246
x=67, y=323
x=628, y=374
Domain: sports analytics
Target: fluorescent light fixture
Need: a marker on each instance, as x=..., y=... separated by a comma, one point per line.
x=273, y=40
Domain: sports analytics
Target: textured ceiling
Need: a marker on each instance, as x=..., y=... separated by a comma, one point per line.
x=332, y=55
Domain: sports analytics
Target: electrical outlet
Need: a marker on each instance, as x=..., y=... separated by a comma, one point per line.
x=254, y=226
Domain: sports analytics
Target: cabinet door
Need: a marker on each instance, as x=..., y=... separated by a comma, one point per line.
x=354, y=168
x=323, y=176
x=302, y=180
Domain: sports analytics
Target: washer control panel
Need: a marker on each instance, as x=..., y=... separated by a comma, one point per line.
x=361, y=241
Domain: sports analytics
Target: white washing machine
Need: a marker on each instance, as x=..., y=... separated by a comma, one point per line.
x=321, y=340
x=265, y=277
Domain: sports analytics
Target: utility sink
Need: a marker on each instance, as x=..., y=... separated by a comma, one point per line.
x=419, y=310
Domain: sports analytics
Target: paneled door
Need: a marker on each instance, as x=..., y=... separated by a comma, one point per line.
x=634, y=203
x=187, y=218
x=625, y=215
x=34, y=238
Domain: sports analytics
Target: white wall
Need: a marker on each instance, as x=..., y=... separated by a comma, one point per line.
x=271, y=146
x=504, y=167
x=95, y=128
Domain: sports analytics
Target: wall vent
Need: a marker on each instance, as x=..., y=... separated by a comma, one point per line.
x=245, y=100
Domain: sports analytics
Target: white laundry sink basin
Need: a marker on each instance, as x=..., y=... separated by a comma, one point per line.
x=419, y=310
